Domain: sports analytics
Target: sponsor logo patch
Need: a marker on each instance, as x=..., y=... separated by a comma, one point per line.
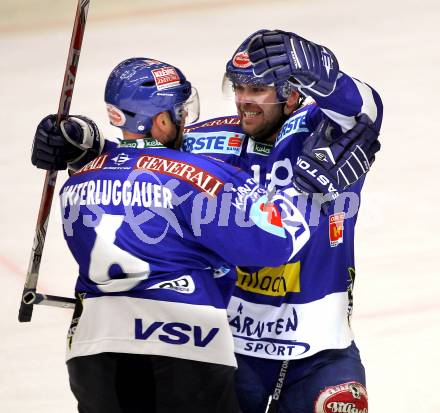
x=141, y=143
x=165, y=77
x=276, y=281
x=269, y=335
x=259, y=148
x=262, y=148
x=235, y=120
x=294, y=124
x=348, y=397
x=117, y=117
x=241, y=60
x=120, y=159
x=195, y=176
x=95, y=165
x=336, y=229
x=183, y=285
x=213, y=142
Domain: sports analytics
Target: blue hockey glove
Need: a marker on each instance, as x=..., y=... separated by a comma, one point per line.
x=278, y=56
x=74, y=144
x=328, y=165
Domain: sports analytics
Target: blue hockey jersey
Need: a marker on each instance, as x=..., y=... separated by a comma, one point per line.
x=297, y=309
x=154, y=232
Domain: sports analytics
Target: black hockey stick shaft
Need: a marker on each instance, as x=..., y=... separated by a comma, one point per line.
x=30, y=285
x=272, y=403
x=50, y=300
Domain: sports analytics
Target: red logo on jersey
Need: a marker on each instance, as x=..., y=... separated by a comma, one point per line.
x=165, y=77
x=201, y=179
x=336, y=229
x=94, y=165
x=234, y=120
x=273, y=214
x=348, y=397
x=241, y=60
x=234, y=141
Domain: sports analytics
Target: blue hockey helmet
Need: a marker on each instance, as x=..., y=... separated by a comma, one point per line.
x=139, y=88
x=239, y=70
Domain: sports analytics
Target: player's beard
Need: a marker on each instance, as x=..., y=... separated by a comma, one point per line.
x=267, y=123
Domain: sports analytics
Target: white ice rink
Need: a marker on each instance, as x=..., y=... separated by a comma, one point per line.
x=391, y=44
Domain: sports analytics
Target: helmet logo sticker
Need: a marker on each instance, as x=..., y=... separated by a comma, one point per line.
x=165, y=77
x=241, y=60
x=117, y=117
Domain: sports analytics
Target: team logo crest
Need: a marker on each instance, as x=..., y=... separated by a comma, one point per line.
x=267, y=216
x=336, y=229
x=347, y=397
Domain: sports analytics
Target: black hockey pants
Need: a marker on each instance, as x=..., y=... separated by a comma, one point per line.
x=130, y=383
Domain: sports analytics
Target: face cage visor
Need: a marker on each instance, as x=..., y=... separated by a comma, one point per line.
x=189, y=110
x=248, y=89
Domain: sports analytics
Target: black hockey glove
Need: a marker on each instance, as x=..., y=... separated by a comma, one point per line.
x=74, y=144
x=329, y=166
x=278, y=56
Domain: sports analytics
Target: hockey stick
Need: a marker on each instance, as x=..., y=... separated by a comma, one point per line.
x=30, y=295
x=272, y=403
x=51, y=300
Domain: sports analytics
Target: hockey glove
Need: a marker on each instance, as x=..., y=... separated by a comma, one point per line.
x=278, y=56
x=73, y=145
x=329, y=166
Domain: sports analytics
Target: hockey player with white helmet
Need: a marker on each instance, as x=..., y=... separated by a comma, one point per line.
x=154, y=276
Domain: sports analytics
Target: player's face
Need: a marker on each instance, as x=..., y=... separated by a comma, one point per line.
x=260, y=112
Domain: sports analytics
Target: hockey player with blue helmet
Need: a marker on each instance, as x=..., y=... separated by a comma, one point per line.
x=151, y=320
x=138, y=89
x=309, y=363
x=280, y=101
